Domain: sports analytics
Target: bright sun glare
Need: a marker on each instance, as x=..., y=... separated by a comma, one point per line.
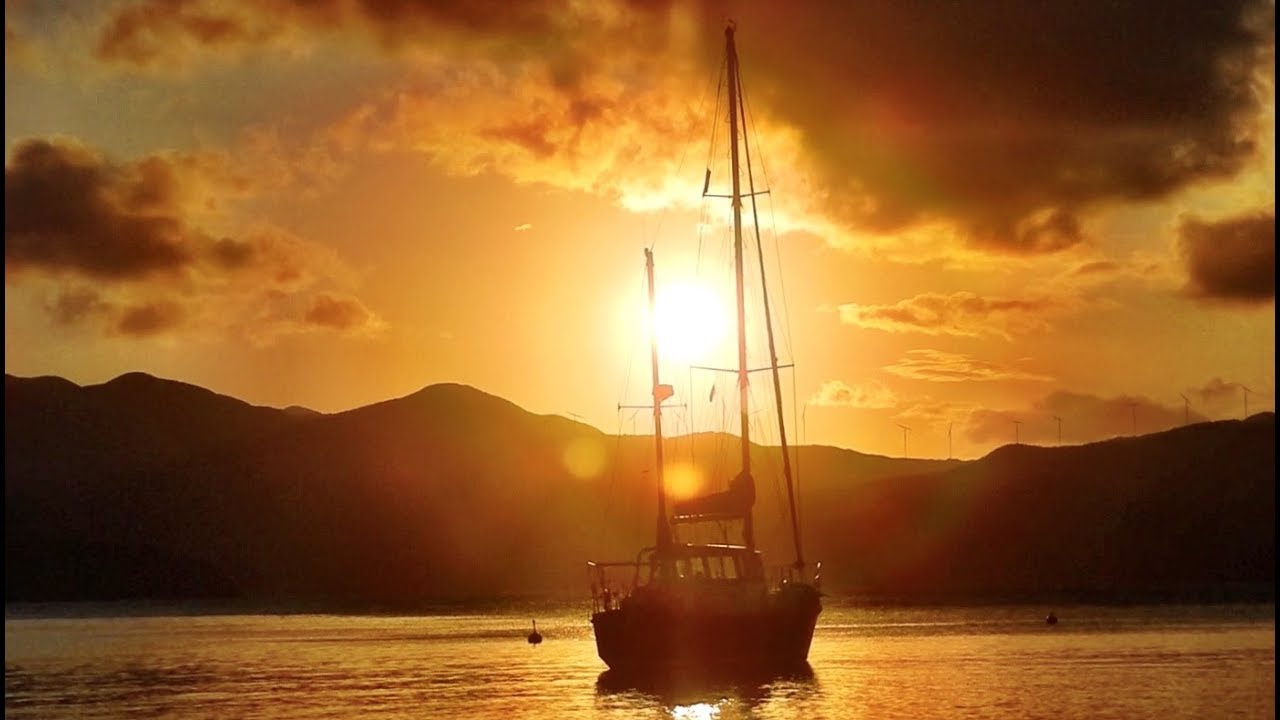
x=691, y=321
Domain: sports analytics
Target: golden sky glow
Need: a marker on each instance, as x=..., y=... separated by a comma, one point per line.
x=978, y=216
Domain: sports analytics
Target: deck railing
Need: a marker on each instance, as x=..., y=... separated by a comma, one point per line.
x=780, y=575
x=613, y=582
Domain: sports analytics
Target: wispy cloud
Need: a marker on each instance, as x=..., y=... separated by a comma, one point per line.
x=869, y=395
x=939, y=366
x=340, y=312
x=961, y=314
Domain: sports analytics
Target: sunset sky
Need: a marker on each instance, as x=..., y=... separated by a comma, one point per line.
x=979, y=213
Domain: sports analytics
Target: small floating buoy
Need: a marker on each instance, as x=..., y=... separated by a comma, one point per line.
x=535, y=637
x=1050, y=620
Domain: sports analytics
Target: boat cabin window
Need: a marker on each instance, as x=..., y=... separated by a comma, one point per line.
x=694, y=567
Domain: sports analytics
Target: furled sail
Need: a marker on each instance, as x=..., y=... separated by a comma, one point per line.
x=734, y=502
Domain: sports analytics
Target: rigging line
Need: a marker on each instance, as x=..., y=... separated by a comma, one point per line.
x=748, y=115
x=708, y=218
x=782, y=282
x=750, y=123
x=702, y=240
x=631, y=356
x=613, y=476
x=795, y=475
x=684, y=154
x=626, y=384
x=692, y=419
x=772, y=468
x=773, y=358
x=715, y=116
x=711, y=148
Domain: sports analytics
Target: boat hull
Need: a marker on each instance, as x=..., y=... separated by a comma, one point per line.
x=655, y=637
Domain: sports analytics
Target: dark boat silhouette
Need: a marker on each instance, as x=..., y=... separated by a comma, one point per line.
x=710, y=608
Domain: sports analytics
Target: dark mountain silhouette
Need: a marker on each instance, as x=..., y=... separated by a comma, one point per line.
x=299, y=411
x=142, y=487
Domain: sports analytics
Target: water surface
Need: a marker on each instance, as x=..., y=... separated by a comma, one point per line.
x=1176, y=661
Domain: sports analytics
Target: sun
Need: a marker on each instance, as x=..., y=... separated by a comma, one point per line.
x=691, y=321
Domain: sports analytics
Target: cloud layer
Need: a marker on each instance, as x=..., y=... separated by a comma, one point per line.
x=121, y=246
x=1085, y=418
x=870, y=395
x=940, y=366
x=1232, y=259
x=900, y=116
x=66, y=210
x=961, y=314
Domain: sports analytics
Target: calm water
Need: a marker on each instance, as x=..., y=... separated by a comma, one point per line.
x=1003, y=662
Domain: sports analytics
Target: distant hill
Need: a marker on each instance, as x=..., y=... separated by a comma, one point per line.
x=142, y=487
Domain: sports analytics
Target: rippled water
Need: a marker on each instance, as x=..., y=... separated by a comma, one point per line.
x=997, y=662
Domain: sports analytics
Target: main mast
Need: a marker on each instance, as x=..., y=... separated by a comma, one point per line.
x=748, y=530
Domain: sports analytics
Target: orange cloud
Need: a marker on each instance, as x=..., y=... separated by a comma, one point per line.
x=962, y=314
x=927, y=412
x=1085, y=418
x=67, y=210
x=939, y=366
x=891, y=130
x=871, y=395
x=1219, y=398
x=338, y=312
x=77, y=305
x=1231, y=259
x=167, y=33
x=1096, y=269
x=149, y=319
x=120, y=245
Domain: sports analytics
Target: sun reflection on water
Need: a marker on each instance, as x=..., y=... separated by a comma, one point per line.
x=697, y=711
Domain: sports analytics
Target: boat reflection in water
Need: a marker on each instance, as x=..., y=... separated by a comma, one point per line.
x=700, y=601
x=710, y=691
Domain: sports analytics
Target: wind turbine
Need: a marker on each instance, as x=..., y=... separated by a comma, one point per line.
x=949, y=440
x=1017, y=426
x=803, y=424
x=905, y=430
x=1186, y=409
x=1133, y=408
x=1055, y=417
x=1246, y=399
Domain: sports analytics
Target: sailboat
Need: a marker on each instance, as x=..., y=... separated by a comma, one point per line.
x=710, y=607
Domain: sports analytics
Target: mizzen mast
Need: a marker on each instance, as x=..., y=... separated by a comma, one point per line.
x=660, y=392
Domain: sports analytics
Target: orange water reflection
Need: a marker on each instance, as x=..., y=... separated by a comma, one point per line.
x=1133, y=662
